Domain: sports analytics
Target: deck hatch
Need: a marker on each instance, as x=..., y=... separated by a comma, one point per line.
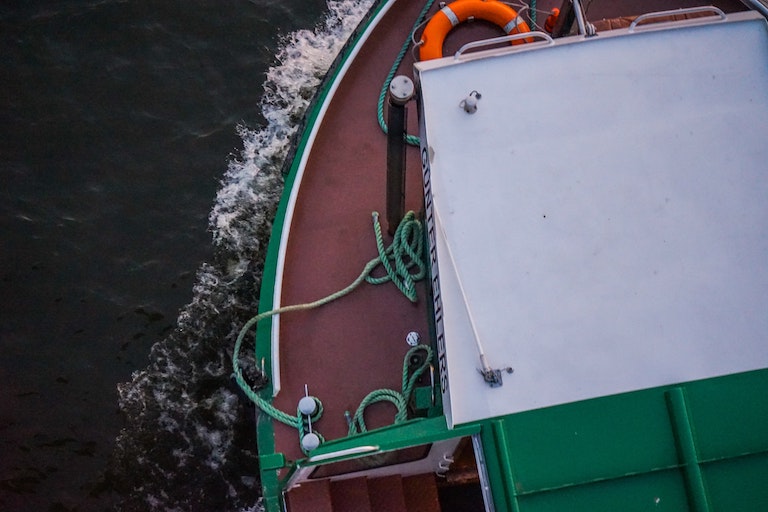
x=619, y=247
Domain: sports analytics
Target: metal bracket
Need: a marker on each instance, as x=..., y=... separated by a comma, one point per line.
x=493, y=377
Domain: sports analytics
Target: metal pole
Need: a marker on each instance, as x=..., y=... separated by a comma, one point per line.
x=760, y=6
x=400, y=92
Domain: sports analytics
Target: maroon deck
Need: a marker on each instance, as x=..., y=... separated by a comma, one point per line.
x=350, y=347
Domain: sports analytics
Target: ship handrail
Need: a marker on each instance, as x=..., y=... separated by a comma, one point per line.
x=546, y=40
x=760, y=6
x=635, y=25
x=357, y=450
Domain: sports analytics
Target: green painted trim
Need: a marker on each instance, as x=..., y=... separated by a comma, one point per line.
x=415, y=432
x=505, y=461
x=270, y=484
x=272, y=461
x=681, y=424
x=497, y=482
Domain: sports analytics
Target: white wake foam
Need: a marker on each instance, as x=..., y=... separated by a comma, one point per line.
x=184, y=440
x=303, y=60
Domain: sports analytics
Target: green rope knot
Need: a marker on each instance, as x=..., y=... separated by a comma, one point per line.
x=405, y=253
x=398, y=399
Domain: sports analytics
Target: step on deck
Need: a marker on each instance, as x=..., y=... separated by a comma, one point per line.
x=385, y=494
x=350, y=495
x=421, y=493
x=311, y=496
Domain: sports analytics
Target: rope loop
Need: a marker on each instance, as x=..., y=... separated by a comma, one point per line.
x=357, y=425
x=398, y=399
x=404, y=266
x=409, y=139
x=303, y=423
x=405, y=252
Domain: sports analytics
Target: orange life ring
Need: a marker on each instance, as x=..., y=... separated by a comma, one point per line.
x=460, y=11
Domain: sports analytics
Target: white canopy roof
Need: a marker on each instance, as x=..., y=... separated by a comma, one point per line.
x=604, y=212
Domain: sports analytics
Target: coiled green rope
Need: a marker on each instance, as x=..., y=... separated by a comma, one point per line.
x=399, y=399
x=410, y=139
x=404, y=266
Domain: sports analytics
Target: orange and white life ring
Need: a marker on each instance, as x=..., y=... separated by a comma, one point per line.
x=445, y=19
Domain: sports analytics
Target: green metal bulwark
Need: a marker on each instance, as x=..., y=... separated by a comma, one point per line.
x=418, y=431
x=699, y=446
x=500, y=439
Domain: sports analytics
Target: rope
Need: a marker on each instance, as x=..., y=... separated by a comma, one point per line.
x=410, y=139
x=399, y=399
x=398, y=260
x=303, y=422
x=407, y=242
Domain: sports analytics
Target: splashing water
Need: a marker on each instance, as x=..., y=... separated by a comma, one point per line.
x=189, y=443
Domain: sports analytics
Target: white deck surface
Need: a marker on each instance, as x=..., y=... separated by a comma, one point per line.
x=607, y=212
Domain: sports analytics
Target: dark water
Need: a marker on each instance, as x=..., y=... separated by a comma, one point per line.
x=133, y=134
